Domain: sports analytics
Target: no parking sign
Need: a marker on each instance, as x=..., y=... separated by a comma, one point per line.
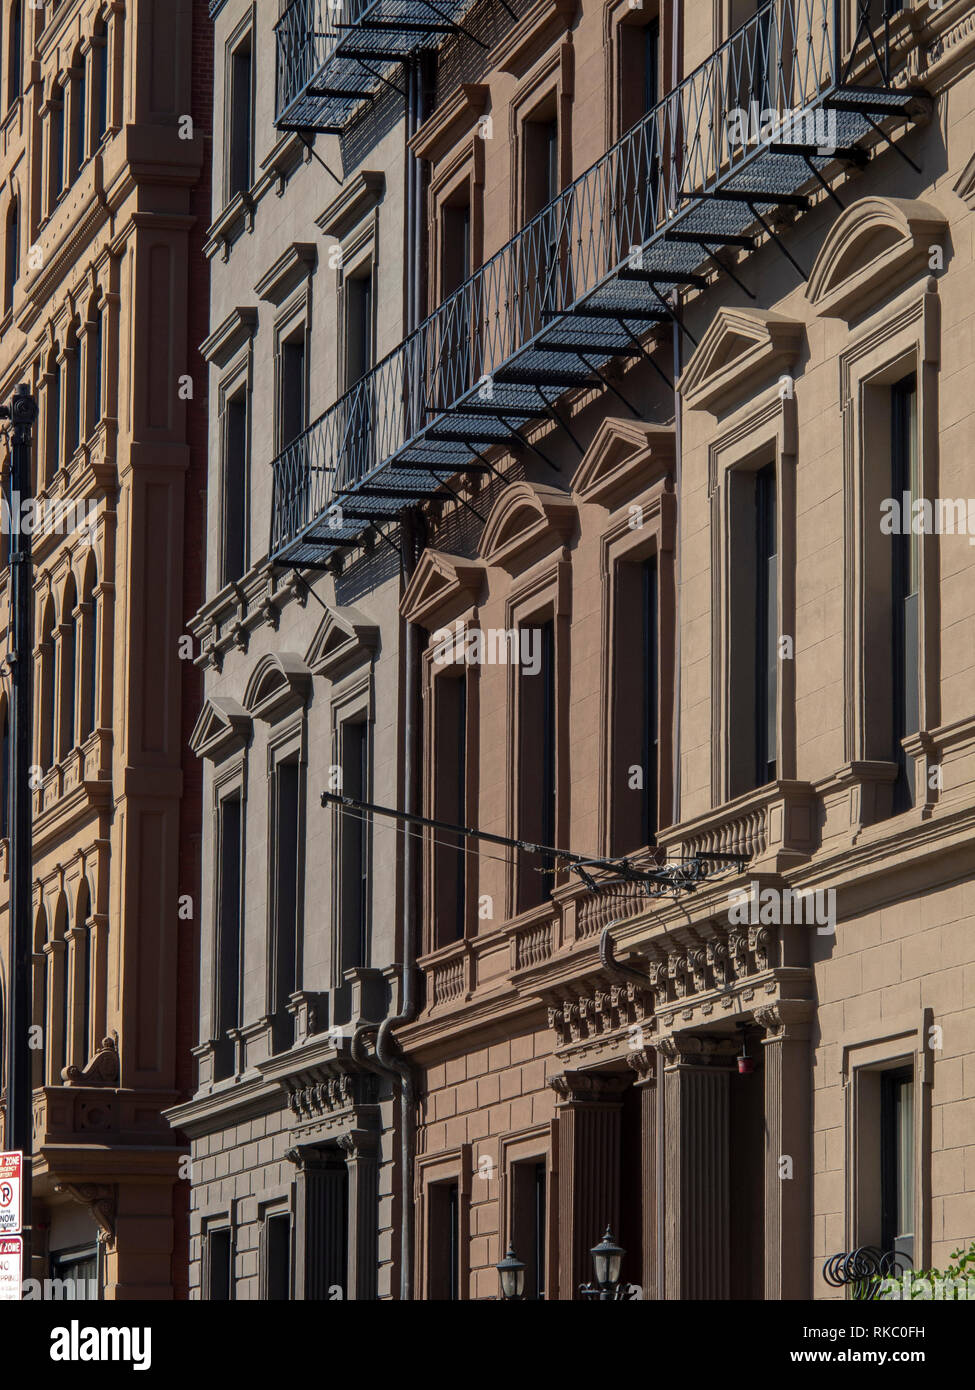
x=11, y=1268
x=11, y=1180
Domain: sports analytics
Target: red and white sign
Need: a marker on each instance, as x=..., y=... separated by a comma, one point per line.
x=11, y=1181
x=11, y=1268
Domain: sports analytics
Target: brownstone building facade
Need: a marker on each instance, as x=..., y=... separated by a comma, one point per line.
x=104, y=187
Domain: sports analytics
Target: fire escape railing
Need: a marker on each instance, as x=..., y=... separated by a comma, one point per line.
x=331, y=53
x=579, y=284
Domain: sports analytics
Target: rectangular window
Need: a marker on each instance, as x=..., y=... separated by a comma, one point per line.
x=358, y=326
x=220, y=1258
x=234, y=539
x=635, y=727
x=294, y=410
x=450, y=804
x=528, y=1223
x=897, y=1160
x=100, y=47
x=286, y=867
x=240, y=152
x=354, y=845
x=455, y=370
x=229, y=920
x=753, y=630
x=639, y=68
x=277, y=1257
x=444, y=1238
x=905, y=583
x=536, y=765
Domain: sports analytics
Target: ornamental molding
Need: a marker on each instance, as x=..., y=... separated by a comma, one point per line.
x=741, y=351
x=872, y=247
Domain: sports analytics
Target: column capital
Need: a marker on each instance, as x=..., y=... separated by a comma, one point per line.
x=787, y=1020
x=695, y=1050
x=644, y=1063
x=589, y=1088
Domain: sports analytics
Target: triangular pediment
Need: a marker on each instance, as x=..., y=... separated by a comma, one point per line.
x=223, y=726
x=279, y=683
x=625, y=456
x=442, y=586
x=872, y=248
x=741, y=349
x=965, y=186
x=526, y=515
x=344, y=638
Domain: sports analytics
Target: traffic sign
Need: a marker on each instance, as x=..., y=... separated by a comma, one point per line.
x=11, y=1182
x=11, y=1268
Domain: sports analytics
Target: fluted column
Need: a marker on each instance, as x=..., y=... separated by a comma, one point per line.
x=589, y=1109
x=361, y=1149
x=696, y=1166
x=321, y=1222
x=644, y=1063
x=788, y=1148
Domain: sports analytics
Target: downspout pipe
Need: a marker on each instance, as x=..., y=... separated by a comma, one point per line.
x=387, y=1059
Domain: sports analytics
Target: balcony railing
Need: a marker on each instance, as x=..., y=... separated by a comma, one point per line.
x=585, y=279
x=331, y=53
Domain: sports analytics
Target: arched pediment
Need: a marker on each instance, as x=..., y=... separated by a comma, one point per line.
x=223, y=726
x=740, y=347
x=345, y=636
x=873, y=246
x=442, y=585
x=625, y=455
x=280, y=682
x=523, y=515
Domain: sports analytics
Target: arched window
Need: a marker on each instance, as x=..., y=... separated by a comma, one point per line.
x=72, y=401
x=11, y=271
x=68, y=654
x=79, y=114
x=15, y=58
x=82, y=923
x=52, y=421
x=48, y=710
x=56, y=169
x=97, y=345
x=99, y=50
x=61, y=983
x=39, y=1019
x=89, y=677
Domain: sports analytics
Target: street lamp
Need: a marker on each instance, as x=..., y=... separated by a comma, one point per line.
x=607, y=1260
x=511, y=1272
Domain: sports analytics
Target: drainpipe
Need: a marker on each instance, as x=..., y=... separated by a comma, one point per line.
x=387, y=1059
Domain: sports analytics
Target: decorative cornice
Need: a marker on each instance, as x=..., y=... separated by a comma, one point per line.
x=524, y=514
x=344, y=638
x=239, y=325
x=450, y=120
x=740, y=349
x=589, y=1088
x=871, y=249
x=222, y=727
x=624, y=456
x=296, y=263
x=442, y=585
x=357, y=198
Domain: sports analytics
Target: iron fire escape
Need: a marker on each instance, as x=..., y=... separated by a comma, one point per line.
x=593, y=273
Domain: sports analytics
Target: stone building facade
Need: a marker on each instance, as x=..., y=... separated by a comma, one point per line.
x=293, y=1124
x=103, y=167
x=682, y=338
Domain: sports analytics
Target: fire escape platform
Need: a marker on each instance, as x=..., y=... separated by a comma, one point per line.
x=581, y=286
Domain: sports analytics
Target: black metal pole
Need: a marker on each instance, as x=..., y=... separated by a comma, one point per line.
x=22, y=412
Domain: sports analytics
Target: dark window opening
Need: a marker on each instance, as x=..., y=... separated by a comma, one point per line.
x=12, y=269
x=450, y=799
x=240, y=154
x=540, y=291
x=754, y=627
x=455, y=363
x=444, y=1235
x=293, y=388
x=15, y=58
x=79, y=151
x=277, y=1255
x=897, y=1161
x=229, y=922
x=287, y=865
x=528, y=1223
x=354, y=840
x=57, y=134
x=72, y=422
x=905, y=585
x=536, y=767
x=98, y=348
x=220, y=1261
x=234, y=548
x=100, y=49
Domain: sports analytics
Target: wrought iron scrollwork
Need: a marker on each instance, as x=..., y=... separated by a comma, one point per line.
x=864, y=1270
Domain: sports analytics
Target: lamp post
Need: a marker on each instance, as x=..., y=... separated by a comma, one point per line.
x=607, y=1260
x=511, y=1272
x=22, y=413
